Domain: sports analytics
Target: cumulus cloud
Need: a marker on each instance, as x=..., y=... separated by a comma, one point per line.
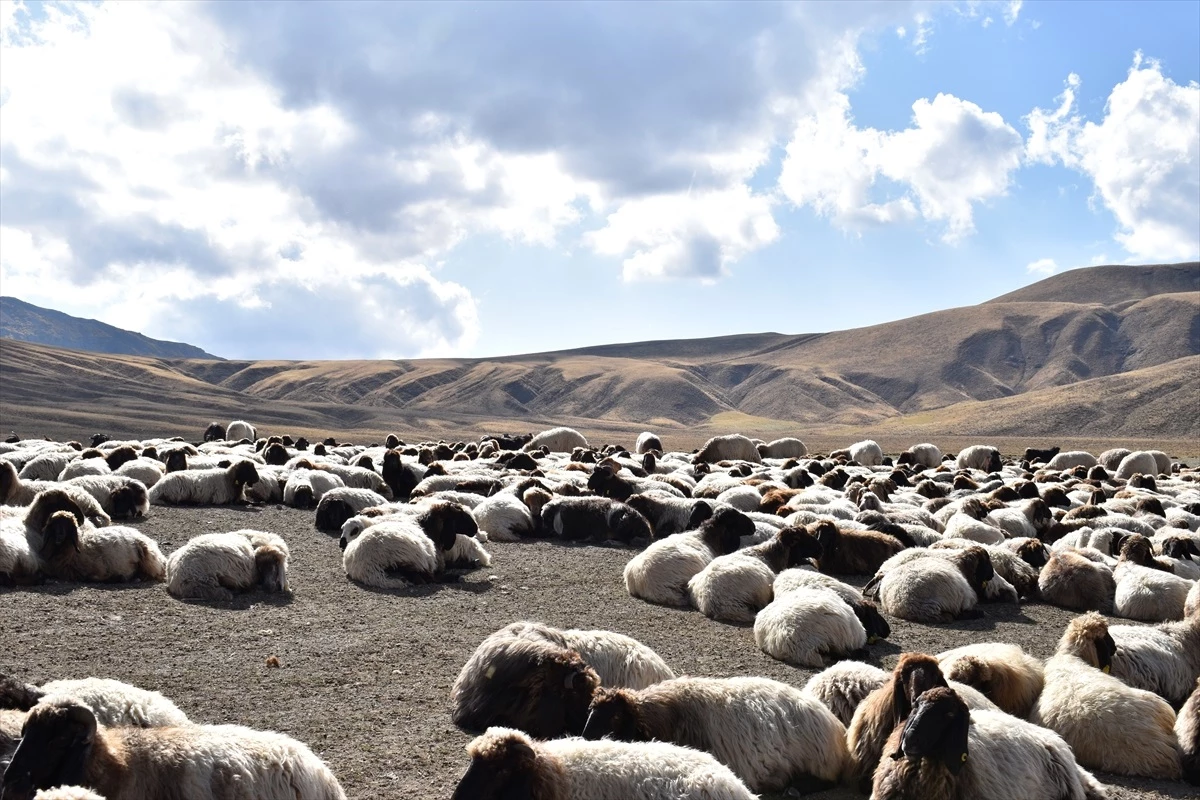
x=1143, y=157
x=954, y=156
x=1043, y=266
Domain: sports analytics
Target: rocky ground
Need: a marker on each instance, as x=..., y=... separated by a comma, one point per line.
x=365, y=674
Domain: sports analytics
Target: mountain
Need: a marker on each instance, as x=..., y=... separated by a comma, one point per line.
x=30, y=323
x=1090, y=354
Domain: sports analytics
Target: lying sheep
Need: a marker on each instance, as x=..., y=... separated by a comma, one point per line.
x=114, y=554
x=112, y=702
x=944, y=750
x=618, y=660
x=304, y=488
x=1074, y=458
x=1145, y=590
x=64, y=745
x=213, y=566
x=809, y=627
x=847, y=551
x=1072, y=580
x=595, y=519
x=17, y=492
x=340, y=504
x=1004, y=673
x=507, y=764
x=735, y=587
x=936, y=589
x=868, y=615
x=668, y=514
x=405, y=549
x=11, y=723
x=67, y=793
x=843, y=686
x=1110, y=726
x=772, y=735
x=119, y=496
x=205, y=486
x=1164, y=659
x=660, y=573
x=147, y=470
x=731, y=447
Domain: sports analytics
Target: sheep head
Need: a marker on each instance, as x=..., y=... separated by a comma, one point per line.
x=613, y=714
x=937, y=729
x=244, y=473
x=56, y=742
x=1088, y=639
x=800, y=544
x=503, y=765
x=914, y=674
x=271, y=564
x=47, y=503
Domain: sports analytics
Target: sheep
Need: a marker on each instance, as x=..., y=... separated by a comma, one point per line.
x=646, y=442
x=404, y=549
x=1071, y=580
x=557, y=440
x=47, y=466
x=735, y=587
x=213, y=566
x=1008, y=565
x=937, y=590
x=667, y=514
x=526, y=682
x=844, y=685
x=205, y=486
x=111, y=554
x=341, y=503
x=64, y=745
x=1191, y=606
x=1111, y=459
x=1029, y=519
x=772, y=735
x=119, y=496
x=112, y=702
x=1145, y=591
x=17, y=492
x=67, y=793
x=238, y=430
x=84, y=467
x=505, y=517
x=731, y=447
x=1164, y=659
x=868, y=453
x=922, y=455
x=215, y=432
x=618, y=660
x=845, y=551
x=595, y=519
x=1074, y=458
x=1187, y=729
x=1005, y=673
x=1162, y=461
x=889, y=705
x=788, y=447
x=965, y=526
x=1034, y=456
x=743, y=498
x=660, y=573
x=868, y=615
x=507, y=764
x=809, y=627
x=305, y=487
x=1110, y=726
x=944, y=750
x=1136, y=462
x=147, y=470
x=981, y=457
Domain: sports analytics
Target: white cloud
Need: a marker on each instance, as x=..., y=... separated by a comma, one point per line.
x=954, y=156
x=1143, y=157
x=1098, y=260
x=1043, y=266
x=1012, y=11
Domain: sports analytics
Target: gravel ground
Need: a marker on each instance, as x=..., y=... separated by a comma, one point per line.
x=366, y=674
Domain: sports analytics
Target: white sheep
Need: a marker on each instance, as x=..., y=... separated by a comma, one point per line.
x=1146, y=593
x=238, y=430
x=647, y=441
x=1136, y=462
x=935, y=589
x=557, y=440
x=1073, y=579
x=147, y=470
x=47, y=466
x=1191, y=605
x=1164, y=659
x=619, y=660
x=212, y=566
x=788, y=447
x=64, y=745
x=1110, y=726
x=82, y=467
x=72, y=552
x=922, y=455
x=808, y=627
x=1072, y=459
x=1187, y=728
x=505, y=762
x=772, y=735
x=304, y=488
x=731, y=447
x=504, y=517
x=844, y=685
x=867, y=452
x=660, y=573
x=120, y=497
x=112, y=702
x=982, y=457
x=17, y=492
x=67, y=793
x=205, y=486
x=404, y=548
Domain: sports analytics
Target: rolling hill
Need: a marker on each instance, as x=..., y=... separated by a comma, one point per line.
x=30, y=323
x=1092, y=354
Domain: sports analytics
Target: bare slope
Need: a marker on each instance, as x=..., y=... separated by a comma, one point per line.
x=1109, y=285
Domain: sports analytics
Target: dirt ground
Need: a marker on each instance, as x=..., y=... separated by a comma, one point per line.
x=366, y=674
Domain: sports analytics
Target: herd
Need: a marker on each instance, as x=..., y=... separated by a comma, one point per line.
x=815, y=552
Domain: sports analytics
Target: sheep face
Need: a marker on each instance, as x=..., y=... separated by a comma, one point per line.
x=800, y=544
x=332, y=514
x=1137, y=549
x=723, y=533
x=176, y=461
x=129, y=502
x=915, y=674
x=937, y=729
x=303, y=498
x=504, y=768
x=399, y=478
x=613, y=715
x=994, y=464
x=244, y=474
x=214, y=432
x=627, y=525
x=55, y=744
x=977, y=568
x=1033, y=553
x=275, y=454
x=1150, y=505
x=1180, y=547
x=271, y=565
x=445, y=521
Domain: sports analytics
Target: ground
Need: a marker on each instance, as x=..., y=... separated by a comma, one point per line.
x=365, y=674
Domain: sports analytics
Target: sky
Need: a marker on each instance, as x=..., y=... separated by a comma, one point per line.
x=400, y=180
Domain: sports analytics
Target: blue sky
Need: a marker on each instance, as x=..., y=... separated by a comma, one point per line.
x=399, y=180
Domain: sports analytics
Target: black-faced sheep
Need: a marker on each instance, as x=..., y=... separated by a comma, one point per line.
x=507, y=764
x=661, y=572
x=112, y=702
x=735, y=587
x=731, y=447
x=593, y=519
x=772, y=735
x=215, y=432
x=1033, y=455
x=119, y=496
x=113, y=554
x=404, y=549
x=213, y=566
x=205, y=486
x=1110, y=726
x=17, y=492
x=64, y=745
x=944, y=750
x=668, y=514
x=340, y=504
x=809, y=627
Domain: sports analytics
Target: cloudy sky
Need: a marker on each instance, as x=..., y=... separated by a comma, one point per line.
x=339, y=180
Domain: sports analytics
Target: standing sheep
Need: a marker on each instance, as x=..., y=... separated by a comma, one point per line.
x=787, y=447
x=213, y=566
x=64, y=745
x=646, y=442
x=238, y=430
x=507, y=764
x=731, y=447
x=868, y=453
x=981, y=457
x=557, y=440
x=772, y=735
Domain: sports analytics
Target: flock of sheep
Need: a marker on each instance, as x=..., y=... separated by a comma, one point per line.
x=746, y=532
